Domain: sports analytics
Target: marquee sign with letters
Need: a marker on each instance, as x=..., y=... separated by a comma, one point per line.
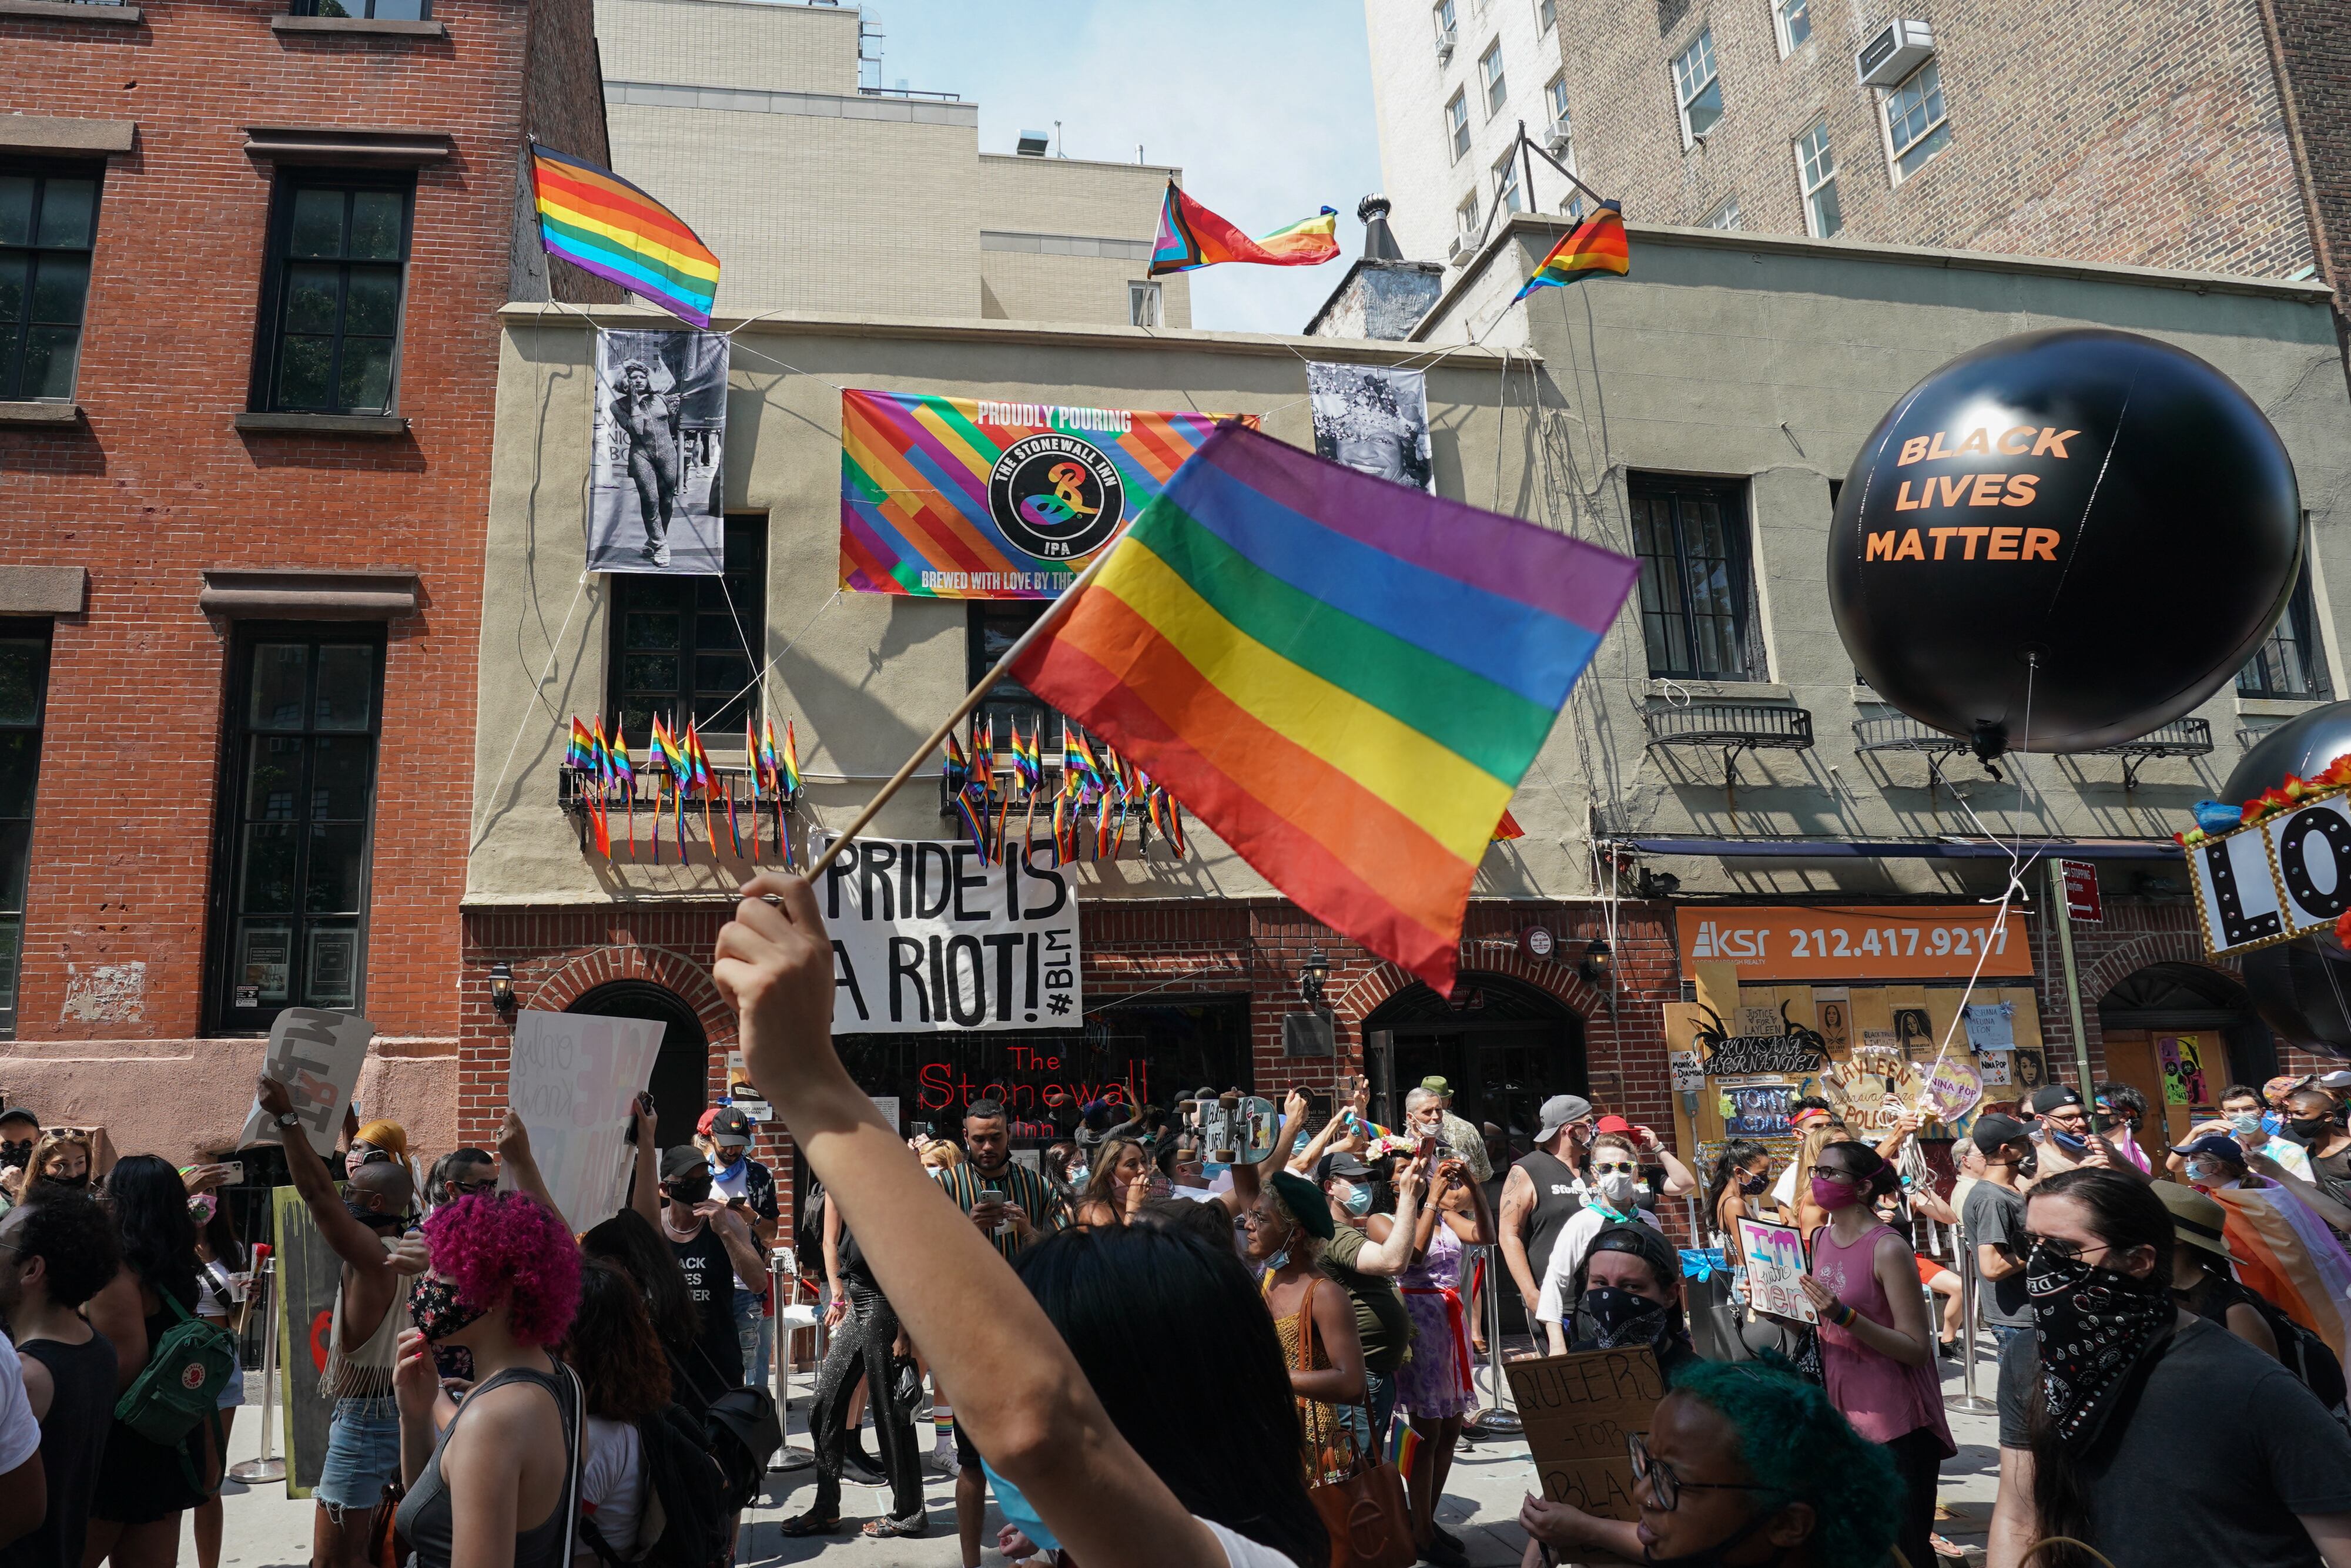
x=2284, y=877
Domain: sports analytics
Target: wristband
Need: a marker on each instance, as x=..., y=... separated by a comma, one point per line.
x=1852, y=1314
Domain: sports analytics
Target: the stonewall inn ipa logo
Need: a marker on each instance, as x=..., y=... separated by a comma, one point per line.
x=1056, y=496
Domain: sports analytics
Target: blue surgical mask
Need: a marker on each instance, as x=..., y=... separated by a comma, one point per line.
x=727, y=1172
x=1358, y=1199
x=1017, y=1510
x=2245, y=1123
x=2067, y=1141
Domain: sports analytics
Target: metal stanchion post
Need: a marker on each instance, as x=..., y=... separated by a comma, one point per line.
x=1968, y=1399
x=781, y=1274
x=1497, y=1420
x=266, y=1467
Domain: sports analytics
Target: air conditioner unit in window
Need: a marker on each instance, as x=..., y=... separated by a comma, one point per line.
x=1888, y=59
x=1444, y=48
x=1556, y=140
x=1458, y=248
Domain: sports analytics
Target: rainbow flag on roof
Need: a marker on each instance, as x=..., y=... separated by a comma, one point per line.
x=1343, y=677
x=601, y=224
x=1595, y=245
x=1191, y=236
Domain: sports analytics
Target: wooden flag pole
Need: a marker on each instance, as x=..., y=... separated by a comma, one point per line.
x=971, y=699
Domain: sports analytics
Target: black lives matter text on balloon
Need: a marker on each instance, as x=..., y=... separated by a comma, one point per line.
x=928, y=936
x=1577, y=1410
x=2285, y=877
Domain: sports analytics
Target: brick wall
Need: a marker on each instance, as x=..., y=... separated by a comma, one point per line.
x=157, y=484
x=2312, y=40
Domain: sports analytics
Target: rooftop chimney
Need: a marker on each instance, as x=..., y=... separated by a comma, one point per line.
x=1379, y=245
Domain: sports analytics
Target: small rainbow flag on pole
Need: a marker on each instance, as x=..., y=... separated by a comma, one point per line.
x=1192, y=236
x=601, y=224
x=1344, y=678
x=1595, y=245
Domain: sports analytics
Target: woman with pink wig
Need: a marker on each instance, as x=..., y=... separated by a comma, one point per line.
x=493, y=1482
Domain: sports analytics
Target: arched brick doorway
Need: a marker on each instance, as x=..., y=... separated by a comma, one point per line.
x=2169, y=1025
x=681, y=1081
x=1504, y=1045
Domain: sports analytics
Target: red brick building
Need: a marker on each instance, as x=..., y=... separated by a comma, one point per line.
x=253, y=255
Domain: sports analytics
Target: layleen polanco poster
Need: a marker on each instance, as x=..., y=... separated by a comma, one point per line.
x=947, y=497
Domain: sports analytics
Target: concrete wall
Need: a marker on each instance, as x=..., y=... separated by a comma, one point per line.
x=1771, y=359
x=1065, y=236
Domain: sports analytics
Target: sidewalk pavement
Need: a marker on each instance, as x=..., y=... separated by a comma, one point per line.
x=265, y=1528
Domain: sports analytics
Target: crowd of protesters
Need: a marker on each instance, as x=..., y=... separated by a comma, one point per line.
x=1189, y=1342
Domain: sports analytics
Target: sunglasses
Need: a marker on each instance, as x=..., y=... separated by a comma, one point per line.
x=371, y=1155
x=474, y=1188
x=2059, y=1247
x=1666, y=1487
x=1617, y=1167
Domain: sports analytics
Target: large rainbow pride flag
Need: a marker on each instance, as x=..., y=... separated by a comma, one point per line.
x=945, y=497
x=1596, y=245
x=2284, y=1251
x=601, y=224
x=1191, y=236
x=1343, y=677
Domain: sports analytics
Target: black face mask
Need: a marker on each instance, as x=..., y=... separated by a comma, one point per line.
x=689, y=1191
x=1753, y=1181
x=2309, y=1129
x=15, y=1154
x=1619, y=1317
x=72, y=1183
x=370, y=1218
x=2096, y=1328
x=437, y=1313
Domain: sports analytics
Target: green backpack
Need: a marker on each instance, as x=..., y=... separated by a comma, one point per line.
x=181, y=1385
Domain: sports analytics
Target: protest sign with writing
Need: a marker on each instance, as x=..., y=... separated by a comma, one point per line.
x=309, y=1274
x=929, y=937
x=1775, y=1257
x=1953, y=1088
x=1577, y=1410
x=316, y=1055
x=573, y=1079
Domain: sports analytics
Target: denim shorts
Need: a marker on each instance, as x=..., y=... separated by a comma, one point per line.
x=362, y=1454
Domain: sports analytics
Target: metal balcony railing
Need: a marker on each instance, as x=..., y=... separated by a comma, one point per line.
x=1732, y=727
x=2180, y=737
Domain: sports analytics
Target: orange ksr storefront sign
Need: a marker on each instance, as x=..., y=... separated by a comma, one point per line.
x=1930, y=941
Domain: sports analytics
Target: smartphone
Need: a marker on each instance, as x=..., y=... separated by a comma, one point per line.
x=996, y=1196
x=1429, y=1149
x=235, y=1169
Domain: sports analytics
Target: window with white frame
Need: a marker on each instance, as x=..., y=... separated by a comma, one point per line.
x=1443, y=16
x=1456, y=125
x=1507, y=194
x=1555, y=104
x=1816, y=177
x=1489, y=71
x=1725, y=217
x=1546, y=15
x=1915, y=129
x=1142, y=304
x=1464, y=220
x=1698, y=88
x=1792, y=20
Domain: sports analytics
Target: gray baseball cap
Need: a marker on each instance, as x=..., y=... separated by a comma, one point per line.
x=1558, y=1112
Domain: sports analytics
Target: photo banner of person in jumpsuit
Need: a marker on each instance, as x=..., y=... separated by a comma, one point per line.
x=661, y=426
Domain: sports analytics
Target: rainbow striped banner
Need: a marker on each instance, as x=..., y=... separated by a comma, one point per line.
x=1343, y=677
x=601, y=224
x=1191, y=236
x=1598, y=243
x=945, y=497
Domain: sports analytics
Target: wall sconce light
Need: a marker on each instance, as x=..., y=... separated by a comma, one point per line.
x=1312, y=977
x=1596, y=956
x=502, y=995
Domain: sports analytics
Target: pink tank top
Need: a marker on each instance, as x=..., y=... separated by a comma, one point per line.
x=1881, y=1396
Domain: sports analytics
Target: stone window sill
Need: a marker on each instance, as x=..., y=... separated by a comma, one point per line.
x=382, y=27
x=1665, y=689
x=322, y=424
x=66, y=11
x=40, y=412
x=2275, y=707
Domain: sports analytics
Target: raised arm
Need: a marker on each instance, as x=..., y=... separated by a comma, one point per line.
x=354, y=1243
x=1247, y=1179
x=1305, y=1163
x=514, y=1152
x=1019, y=1392
x=1394, y=1255
x=2325, y=1208
x=1476, y=1228
x=644, y=1185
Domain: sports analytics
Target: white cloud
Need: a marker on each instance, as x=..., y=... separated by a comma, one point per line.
x=1266, y=107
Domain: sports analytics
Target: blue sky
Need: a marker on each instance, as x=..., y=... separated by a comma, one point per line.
x=1266, y=105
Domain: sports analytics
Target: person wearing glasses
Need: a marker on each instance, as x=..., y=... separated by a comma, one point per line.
x=2100, y=1409
x=1743, y=1462
x=375, y=1143
x=1611, y=1175
x=461, y=1173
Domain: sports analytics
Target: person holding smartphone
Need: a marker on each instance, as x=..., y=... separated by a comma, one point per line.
x=748, y=1188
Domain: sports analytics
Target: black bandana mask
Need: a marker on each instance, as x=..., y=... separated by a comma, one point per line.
x=1618, y=1317
x=436, y=1312
x=370, y=1218
x=2095, y=1329
x=15, y=1154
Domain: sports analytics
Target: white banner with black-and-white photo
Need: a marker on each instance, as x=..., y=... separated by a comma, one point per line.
x=1374, y=419
x=661, y=428
x=928, y=937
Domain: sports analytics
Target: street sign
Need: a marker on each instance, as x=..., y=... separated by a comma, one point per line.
x=2081, y=900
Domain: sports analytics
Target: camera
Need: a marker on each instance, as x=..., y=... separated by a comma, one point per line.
x=1233, y=1128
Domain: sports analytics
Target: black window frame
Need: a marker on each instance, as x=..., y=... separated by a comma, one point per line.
x=1731, y=496
x=991, y=627
x=737, y=598
x=223, y=1011
x=2268, y=673
x=20, y=825
x=270, y=332
x=12, y=353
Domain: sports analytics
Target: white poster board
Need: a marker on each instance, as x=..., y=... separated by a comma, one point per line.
x=928, y=937
x=573, y=1080
x=1775, y=1259
x=316, y=1055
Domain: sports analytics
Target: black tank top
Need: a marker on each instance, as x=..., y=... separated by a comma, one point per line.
x=81, y=1412
x=1559, y=1198
x=424, y=1514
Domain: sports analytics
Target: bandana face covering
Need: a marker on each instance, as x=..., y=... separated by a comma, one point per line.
x=437, y=1313
x=2095, y=1328
x=1622, y=1318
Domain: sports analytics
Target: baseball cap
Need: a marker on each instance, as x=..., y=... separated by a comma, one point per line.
x=2196, y=1220
x=2214, y=1145
x=2050, y=1096
x=1558, y=1112
x=684, y=1160
x=1340, y=1164
x=728, y=1126
x=1612, y=1123
x=701, y=1128
x=2337, y=1080
x=1992, y=1131
x=18, y=1114
x=1436, y=1085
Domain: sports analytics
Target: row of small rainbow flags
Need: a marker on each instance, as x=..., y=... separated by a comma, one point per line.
x=1101, y=782
x=681, y=771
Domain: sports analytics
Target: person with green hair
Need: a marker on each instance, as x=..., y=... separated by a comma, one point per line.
x=1743, y=1463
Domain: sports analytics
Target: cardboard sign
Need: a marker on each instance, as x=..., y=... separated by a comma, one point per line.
x=1689, y=1073
x=573, y=1078
x=1577, y=1410
x=316, y=1055
x=1775, y=1257
x=309, y=1274
x=1757, y=1109
x=927, y=938
x=1991, y=1026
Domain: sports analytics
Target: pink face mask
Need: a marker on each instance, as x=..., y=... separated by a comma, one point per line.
x=1833, y=1192
x=201, y=1207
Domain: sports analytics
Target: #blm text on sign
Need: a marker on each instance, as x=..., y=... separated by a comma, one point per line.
x=1577, y=1410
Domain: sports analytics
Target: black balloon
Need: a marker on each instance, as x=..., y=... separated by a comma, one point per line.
x=2300, y=747
x=2303, y=994
x=2097, y=516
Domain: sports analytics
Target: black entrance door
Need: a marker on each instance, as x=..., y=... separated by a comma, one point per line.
x=1503, y=1046
x=681, y=1079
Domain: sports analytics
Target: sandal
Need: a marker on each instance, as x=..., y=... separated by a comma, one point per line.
x=809, y=1524
x=888, y=1528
